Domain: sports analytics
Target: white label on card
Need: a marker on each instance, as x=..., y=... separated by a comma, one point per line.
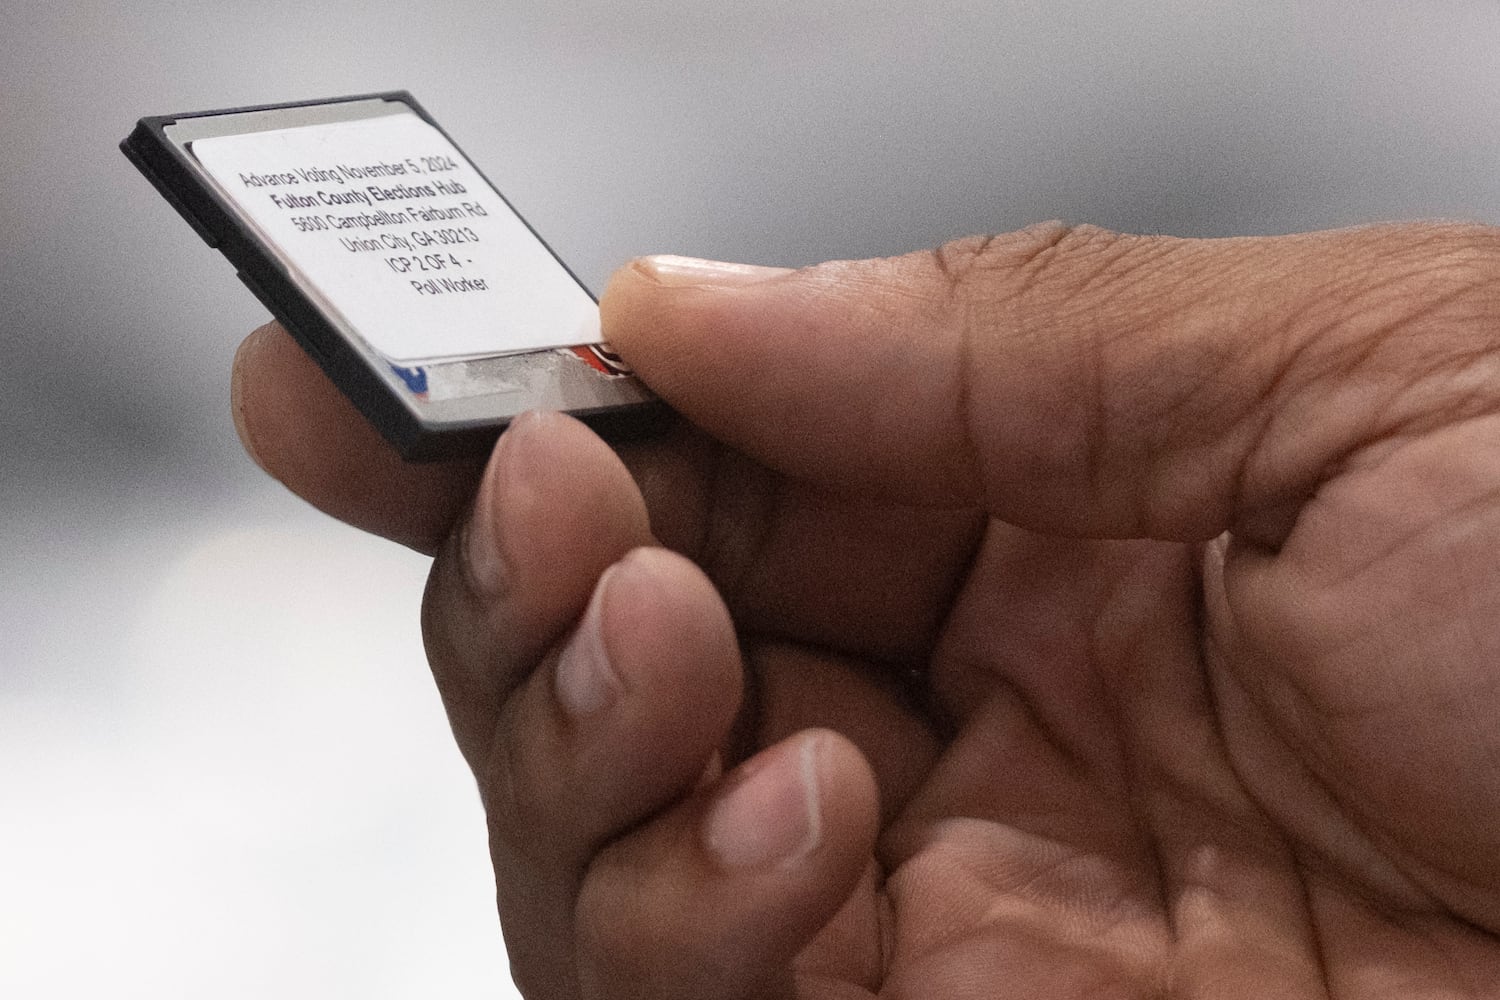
x=397, y=232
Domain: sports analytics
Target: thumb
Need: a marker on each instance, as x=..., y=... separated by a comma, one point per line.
x=1072, y=379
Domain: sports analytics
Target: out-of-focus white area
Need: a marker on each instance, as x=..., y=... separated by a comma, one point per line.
x=232, y=776
x=223, y=771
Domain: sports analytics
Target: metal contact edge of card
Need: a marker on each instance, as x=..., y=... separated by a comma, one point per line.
x=434, y=411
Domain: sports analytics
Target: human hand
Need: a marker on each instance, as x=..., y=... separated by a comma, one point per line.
x=1077, y=615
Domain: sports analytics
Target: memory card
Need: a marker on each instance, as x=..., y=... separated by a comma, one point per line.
x=400, y=269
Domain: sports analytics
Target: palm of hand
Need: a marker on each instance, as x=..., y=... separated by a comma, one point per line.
x=1124, y=769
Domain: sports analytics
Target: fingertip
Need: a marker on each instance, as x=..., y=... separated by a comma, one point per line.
x=811, y=794
x=657, y=636
x=625, y=305
x=654, y=629
x=554, y=506
x=503, y=514
x=719, y=896
x=850, y=799
x=302, y=431
x=245, y=359
x=661, y=600
x=852, y=791
x=639, y=292
x=626, y=714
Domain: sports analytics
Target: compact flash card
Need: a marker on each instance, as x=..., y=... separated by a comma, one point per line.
x=396, y=265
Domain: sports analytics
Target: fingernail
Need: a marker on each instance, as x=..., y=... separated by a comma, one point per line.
x=585, y=682
x=668, y=269
x=769, y=815
x=481, y=546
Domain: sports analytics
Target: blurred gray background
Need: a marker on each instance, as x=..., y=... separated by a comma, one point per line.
x=222, y=769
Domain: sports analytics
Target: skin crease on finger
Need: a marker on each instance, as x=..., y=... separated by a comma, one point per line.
x=1252, y=757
